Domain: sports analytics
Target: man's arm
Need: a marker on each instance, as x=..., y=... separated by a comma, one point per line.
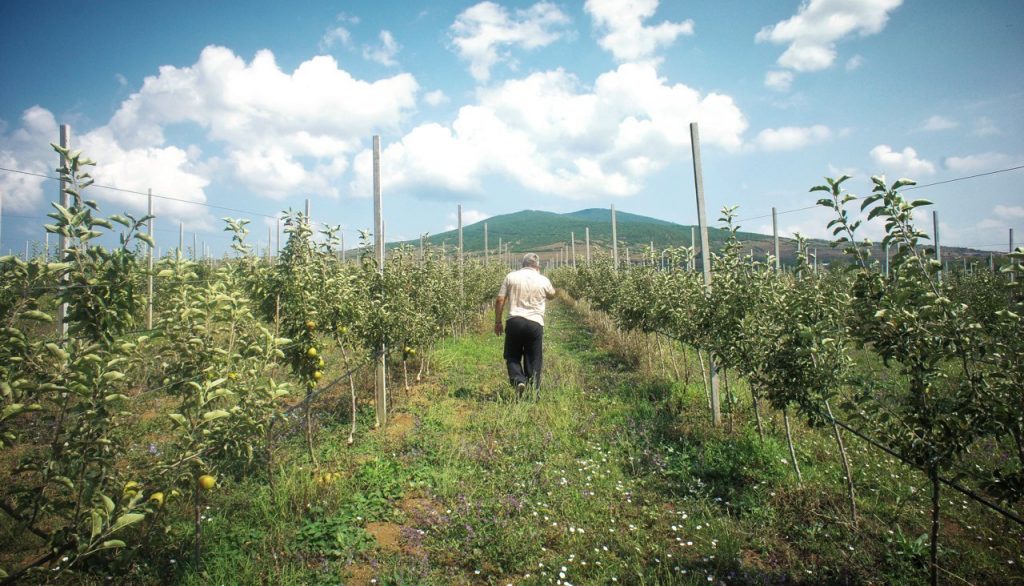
x=550, y=293
x=499, y=309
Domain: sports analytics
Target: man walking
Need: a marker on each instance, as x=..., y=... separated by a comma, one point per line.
x=526, y=292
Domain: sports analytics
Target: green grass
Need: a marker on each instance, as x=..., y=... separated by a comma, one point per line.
x=613, y=475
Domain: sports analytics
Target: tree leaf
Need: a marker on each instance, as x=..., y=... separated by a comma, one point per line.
x=126, y=520
x=215, y=414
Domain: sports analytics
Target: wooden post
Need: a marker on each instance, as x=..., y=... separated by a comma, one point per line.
x=487, y=251
x=775, y=236
x=572, y=238
x=705, y=257
x=938, y=245
x=693, y=250
x=587, y=235
x=181, y=240
x=462, y=290
x=1013, y=261
x=149, y=287
x=277, y=250
x=62, y=197
x=381, y=393
x=615, y=241
x=885, y=261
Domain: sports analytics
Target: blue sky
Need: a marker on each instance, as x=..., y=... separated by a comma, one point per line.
x=503, y=106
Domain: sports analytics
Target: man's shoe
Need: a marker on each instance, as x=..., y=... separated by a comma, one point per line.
x=520, y=389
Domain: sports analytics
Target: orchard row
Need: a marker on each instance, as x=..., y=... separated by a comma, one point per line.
x=235, y=347
x=931, y=369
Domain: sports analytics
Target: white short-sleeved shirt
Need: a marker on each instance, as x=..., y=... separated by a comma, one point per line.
x=526, y=291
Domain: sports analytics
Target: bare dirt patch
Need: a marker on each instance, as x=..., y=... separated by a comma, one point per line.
x=360, y=574
x=399, y=426
x=388, y=536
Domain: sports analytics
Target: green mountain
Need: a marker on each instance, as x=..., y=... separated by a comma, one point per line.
x=533, y=230
x=547, y=232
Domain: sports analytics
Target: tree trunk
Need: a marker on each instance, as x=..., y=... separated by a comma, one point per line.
x=309, y=429
x=757, y=413
x=846, y=465
x=728, y=396
x=792, y=449
x=933, y=473
x=704, y=379
x=197, y=548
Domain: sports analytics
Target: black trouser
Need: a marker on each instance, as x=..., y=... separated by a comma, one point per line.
x=524, y=353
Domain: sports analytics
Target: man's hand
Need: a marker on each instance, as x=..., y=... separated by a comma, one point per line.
x=499, y=310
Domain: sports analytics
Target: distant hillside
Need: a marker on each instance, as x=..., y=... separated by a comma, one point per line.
x=539, y=231
x=546, y=232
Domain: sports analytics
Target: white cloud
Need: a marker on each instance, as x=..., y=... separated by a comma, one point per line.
x=625, y=35
x=779, y=81
x=548, y=133
x=812, y=33
x=979, y=163
x=790, y=138
x=435, y=98
x=282, y=132
x=854, y=63
x=27, y=149
x=385, y=52
x=168, y=171
x=482, y=33
x=936, y=123
x=985, y=126
x=903, y=163
x=1009, y=212
x=334, y=37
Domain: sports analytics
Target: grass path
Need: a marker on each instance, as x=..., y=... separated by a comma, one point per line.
x=571, y=488
x=614, y=475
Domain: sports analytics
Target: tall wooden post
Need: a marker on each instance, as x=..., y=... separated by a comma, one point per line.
x=705, y=257
x=181, y=240
x=149, y=285
x=775, y=237
x=693, y=250
x=62, y=310
x=462, y=290
x=381, y=391
x=587, y=236
x=487, y=251
x=572, y=238
x=938, y=245
x=1013, y=261
x=615, y=241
